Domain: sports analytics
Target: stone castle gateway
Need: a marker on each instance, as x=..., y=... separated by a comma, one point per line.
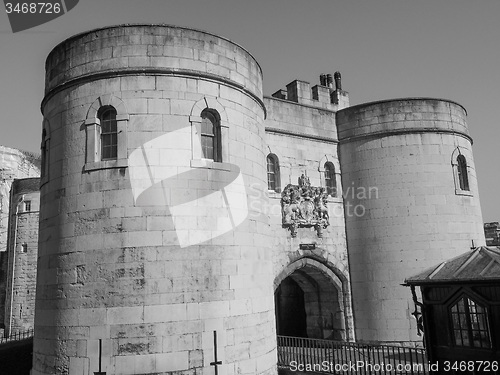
x=183, y=211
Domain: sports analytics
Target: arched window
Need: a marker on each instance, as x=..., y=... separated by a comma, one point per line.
x=210, y=136
x=470, y=324
x=109, y=133
x=462, y=172
x=330, y=180
x=273, y=173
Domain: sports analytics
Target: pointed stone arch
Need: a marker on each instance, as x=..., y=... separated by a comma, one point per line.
x=327, y=297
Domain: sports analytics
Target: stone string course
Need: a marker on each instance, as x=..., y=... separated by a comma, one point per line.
x=120, y=262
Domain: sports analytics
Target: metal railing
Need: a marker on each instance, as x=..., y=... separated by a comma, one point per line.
x=17, y=336
x=338, y=357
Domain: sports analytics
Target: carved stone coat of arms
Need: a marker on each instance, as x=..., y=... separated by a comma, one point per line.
x=304, y=206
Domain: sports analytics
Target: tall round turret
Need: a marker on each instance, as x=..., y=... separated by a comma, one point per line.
x=152, y=260
x=411, y=201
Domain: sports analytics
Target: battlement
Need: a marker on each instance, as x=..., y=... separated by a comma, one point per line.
x=325, y=95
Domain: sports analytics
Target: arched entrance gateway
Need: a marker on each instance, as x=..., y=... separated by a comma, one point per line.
x=310, y=301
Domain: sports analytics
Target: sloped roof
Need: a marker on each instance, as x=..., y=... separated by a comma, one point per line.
x=480, y=264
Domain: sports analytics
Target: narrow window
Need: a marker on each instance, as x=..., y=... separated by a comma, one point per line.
x=330, y=181
x=462, y=172
x=470, y=324
x=24, y=248
x=27, y=206
x=44, y=152
x=210, y=136
x=273, y=173
x=109, y=133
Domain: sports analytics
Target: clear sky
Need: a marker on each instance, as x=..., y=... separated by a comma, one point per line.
x=383, y=48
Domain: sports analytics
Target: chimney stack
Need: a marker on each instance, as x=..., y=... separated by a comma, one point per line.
x=338, y=82
x=322, y=80
x=329, y=81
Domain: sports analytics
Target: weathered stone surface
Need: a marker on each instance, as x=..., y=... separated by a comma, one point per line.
x=415, y=215
x=18, y=269
x=150, y=234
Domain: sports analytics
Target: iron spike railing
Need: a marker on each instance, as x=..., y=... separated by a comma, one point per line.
x=338, y=357
x=17, y=336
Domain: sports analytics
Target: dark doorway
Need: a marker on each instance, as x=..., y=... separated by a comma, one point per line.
x=307, y=305
x=290, y=309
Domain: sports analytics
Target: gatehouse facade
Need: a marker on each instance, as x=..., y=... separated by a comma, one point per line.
x=186, y=219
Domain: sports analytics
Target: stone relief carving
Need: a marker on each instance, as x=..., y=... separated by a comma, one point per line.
x=304, y=206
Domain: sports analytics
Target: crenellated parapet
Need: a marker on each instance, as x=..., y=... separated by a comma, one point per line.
x=328, y=94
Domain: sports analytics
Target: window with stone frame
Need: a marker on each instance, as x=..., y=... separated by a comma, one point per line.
x=211, y=135
x=109, y=133
x=463, y=177
x=330, y=179
x=469, y=321
x=27, y=206
x=106, y=134
x=273, y=173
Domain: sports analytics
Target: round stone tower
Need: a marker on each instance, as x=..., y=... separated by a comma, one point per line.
x=411, y=201
x=152, y=259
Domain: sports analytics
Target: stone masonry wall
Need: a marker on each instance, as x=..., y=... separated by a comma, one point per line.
x=154, y=252
x=399, y=156
x=304, y=138
x=13, y=164
x=22, y=256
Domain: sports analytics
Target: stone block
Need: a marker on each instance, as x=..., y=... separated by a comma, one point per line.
x=145, y=363
x=161, y=106
x=165, y=313
x=144, y=238
x=208, y=88
x=125, y=315
x=181, y=107
x=166, y=362
x=125, y=364
x=78, y=366
x=134, y=83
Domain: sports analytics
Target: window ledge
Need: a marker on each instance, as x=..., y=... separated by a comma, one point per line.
x=105, y=164
x=210, y=164
x=331, y=199
x=463, y=192
x=273, y=194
